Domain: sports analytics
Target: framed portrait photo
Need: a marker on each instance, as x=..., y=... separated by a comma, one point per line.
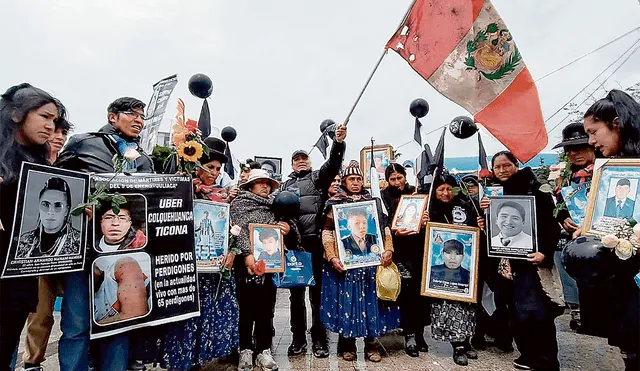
x=511, y=228
x=360, y=242
x=613, y=198
x=409, y=212
x=211, y=230
x=267, y=245
x=450, y=266
x=576, y=197
x=382, y=157
x=272, y=165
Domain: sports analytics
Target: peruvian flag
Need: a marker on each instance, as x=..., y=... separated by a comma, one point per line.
x=465, y=51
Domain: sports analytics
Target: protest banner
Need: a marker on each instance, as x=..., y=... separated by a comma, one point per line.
x=46, y=238
x=144, y=273
x=155, y=112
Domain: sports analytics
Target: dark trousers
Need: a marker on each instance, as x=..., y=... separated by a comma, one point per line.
x=12, y=320
x=296, y=297
x=415, y=309
x=255, y=304
x=531, y=318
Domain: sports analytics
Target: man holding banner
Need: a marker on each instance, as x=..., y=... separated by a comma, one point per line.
x=93, y=153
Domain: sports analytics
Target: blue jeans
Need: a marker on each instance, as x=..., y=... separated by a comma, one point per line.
x=110, y=353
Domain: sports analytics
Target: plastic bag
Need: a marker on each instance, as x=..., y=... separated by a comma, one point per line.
x=388, y=282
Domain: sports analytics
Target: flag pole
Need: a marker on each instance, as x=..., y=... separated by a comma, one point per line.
x=366, y=84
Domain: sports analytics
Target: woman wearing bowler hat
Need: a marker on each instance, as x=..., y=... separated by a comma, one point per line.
x=579, y=169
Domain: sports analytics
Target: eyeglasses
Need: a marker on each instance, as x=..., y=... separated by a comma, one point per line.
x=46, y=206
x=120, y=218
x=134, y=114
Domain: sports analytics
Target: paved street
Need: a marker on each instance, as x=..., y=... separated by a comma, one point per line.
x=577, y=352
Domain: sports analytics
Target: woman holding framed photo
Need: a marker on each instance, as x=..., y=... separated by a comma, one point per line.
x=347, y=292
x=519, y=287
x=408, y=255
x=214, y=334
x=613, y=126
x=28, y=117
x=453, y=321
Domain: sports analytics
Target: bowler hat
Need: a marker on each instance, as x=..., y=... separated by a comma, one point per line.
x=573, y=135
x=216, y=151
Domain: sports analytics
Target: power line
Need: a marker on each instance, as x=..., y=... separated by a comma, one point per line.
x=598, y=87
x=590, y=82
x=589, y=53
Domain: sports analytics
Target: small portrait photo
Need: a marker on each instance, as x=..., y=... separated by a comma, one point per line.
x=511, y=229
x=382, y=157
x=121, y=287
x=451, y=262
x=123, y=227
x=47, y=227
x=409, y=212
x=211, y=221
x=494, y=191
x=272, y=165
x=360, y=242
x=267, y=245
x=613, y=200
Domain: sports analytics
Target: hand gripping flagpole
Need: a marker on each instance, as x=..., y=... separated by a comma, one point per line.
x=366, y=84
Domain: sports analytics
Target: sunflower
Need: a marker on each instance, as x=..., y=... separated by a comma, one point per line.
x=190, y=151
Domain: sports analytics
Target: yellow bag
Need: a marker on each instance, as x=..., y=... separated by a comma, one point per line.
x=388, y=282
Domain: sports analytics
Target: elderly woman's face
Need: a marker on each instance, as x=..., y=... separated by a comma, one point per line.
x=261, y=187
x=53, y=210
x=444, y=193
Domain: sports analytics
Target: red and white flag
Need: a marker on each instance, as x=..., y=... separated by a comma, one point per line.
x=465, y=51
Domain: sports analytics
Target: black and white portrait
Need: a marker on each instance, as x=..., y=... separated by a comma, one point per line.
x=512, y=226
x=48, y=237
x=272, y=165
x=121, y=228
x=48, y=228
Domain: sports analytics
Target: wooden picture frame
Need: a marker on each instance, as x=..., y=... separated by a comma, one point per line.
x=349, y=253
x=466, y=241
x=420, y=202
x=517, y=209
x=272, y=265
x=386, y=154
x=599, y=216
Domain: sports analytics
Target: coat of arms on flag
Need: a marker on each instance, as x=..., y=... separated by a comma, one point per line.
x=467, y=53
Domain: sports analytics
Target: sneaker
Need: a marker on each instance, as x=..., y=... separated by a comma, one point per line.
x=246, y=360
x=410, y=346
x=32, y=368
x=297, y=348
x=320, y=349
x=266, y=361
x=136, y=366
x=521, y=364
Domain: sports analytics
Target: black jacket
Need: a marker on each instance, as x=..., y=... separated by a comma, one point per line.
x=524, y=183
x=93, y=152
x=312, y=187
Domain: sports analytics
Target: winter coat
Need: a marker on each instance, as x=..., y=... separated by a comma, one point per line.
x=93, y=152
x=249, y=208
x=312, y=187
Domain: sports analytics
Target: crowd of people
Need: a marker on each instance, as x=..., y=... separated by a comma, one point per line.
x=236, y=315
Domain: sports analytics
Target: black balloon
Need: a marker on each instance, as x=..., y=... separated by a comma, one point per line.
x=419, y=108
x=326, y=123
x=201, y=85
x=228, y=134
x=463, y=127
x=287, y=205
x=588, y=261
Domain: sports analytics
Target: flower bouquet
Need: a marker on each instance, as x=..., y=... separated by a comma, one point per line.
x=625, y=240
x=188, y=144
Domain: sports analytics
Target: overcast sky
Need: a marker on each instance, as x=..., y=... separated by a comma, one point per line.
x=281, y=67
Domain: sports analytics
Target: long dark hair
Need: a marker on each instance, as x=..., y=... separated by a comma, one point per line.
x=506, y=154
x=15, y=105
x=620, y=105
